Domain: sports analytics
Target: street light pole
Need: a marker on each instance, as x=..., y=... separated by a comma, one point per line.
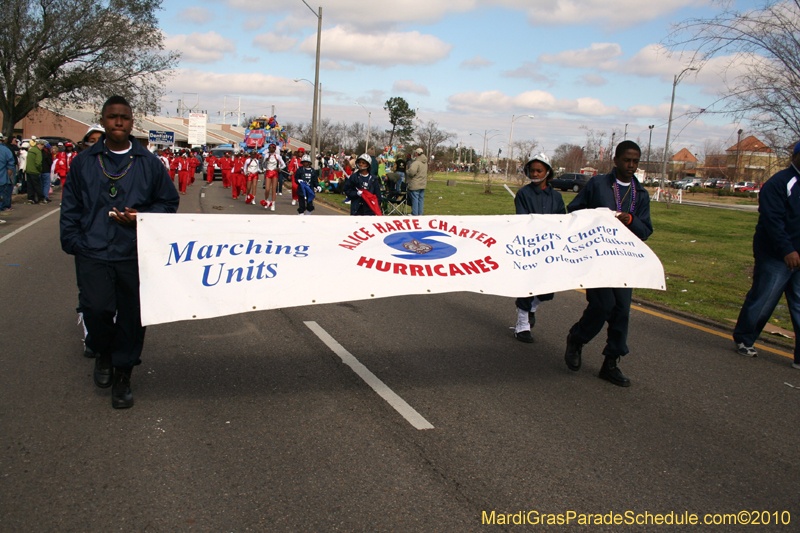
x=649, y=142
x=669, y=122
x=316, y=86
x=511, y=148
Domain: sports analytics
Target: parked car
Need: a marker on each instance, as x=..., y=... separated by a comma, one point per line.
x=218, y=153
x=679, y=184
x=755, y=188
x=711, y=183
x=723, y=184
x=566, y=182
x=741, y=185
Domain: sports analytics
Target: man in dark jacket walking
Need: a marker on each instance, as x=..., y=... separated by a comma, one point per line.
x=621, y=192
x=776, y=244
x=107, y=185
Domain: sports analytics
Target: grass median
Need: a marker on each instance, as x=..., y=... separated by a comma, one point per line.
x=706, y=253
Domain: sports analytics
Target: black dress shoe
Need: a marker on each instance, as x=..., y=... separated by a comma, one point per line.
x=524, y=336
x=573, y=354
x=121, y=394
x=611, y=372
x=103, y=371
x=88, y=353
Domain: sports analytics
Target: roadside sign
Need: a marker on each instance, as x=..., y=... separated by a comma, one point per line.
x=197, y=129
x=162, y=137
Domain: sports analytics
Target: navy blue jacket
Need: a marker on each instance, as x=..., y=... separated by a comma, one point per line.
x=778, y=229
x=532, y=199
x=86, y=228
x=309, y=175
x=599, y=192
x=352, y=185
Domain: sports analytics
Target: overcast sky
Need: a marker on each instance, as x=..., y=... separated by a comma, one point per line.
x=468, y=65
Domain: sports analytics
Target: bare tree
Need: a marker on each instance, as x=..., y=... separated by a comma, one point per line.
x=570, y=156
x=763, y=51
x=79, y=51
x=430, y=136
x=523, y=150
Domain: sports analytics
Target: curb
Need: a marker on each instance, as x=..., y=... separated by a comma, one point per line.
x=765, y=338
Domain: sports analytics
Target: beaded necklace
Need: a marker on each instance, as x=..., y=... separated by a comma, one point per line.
x=112, y=190
x=632, y=191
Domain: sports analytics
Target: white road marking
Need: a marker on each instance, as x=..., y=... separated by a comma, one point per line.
x=202, y=195
x=399, y=404
x=28, y=225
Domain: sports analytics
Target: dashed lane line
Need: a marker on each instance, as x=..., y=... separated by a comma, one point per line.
x=400, y=405
x=28, y=225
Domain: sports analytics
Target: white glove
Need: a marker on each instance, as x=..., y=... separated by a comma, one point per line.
x=358, y=192
x=318, y=189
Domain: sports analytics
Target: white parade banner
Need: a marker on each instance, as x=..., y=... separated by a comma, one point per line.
x=204, y=266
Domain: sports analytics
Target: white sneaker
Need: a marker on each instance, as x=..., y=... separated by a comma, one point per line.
x=280, y=194
x=272, y=206
x=747, y=351
x=294, y=202
x=796, y=365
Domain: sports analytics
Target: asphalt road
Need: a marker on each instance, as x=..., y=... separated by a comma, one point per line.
x=253, y=423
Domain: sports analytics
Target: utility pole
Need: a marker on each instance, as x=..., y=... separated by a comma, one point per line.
x=649, y=142
x=314, y=111
x=738, y=150
x=675, y=81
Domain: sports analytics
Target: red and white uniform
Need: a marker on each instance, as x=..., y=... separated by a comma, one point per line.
x=182, y=165
x=251, y=168
x=225, y=166
x=212, y=165
x=238, y=183
x=173, y=166
x=272, y=163
x=193, y=163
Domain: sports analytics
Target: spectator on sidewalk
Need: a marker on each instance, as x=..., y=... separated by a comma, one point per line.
x=8, y=167
x=776, y=250
x=417, y=180
x=33, y=168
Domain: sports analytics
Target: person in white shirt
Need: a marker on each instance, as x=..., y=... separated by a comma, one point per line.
x=272, y=163
x=251, y=170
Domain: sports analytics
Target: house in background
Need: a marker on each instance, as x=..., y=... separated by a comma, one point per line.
x=682, y=165
x=751, y=160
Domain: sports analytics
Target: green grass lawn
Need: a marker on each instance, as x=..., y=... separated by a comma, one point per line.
x=706, y=253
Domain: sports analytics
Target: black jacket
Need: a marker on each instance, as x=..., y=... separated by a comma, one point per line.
x=86, y=228
x=358, y=182
x=778, y=230
x=533, y=200
x=599, y=192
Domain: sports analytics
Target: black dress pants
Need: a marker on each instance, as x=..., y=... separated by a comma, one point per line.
x=35, y=193
x=109, y=299
x=606, y=305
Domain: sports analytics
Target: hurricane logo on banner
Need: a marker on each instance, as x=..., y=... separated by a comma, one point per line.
x=421, y=244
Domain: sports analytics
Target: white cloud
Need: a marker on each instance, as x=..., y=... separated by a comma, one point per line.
x=211, y=84
x=408, y=86
x=253, y=23
x=585, y=58
x=384, y=49
x=198, y=15
x=541, y=101
x=612, y=13
x=527, y=70
x=329, y=64
x=476, y=63
x=273, y=42
x=363, y=13
x=200, y=47
x=593, y=80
